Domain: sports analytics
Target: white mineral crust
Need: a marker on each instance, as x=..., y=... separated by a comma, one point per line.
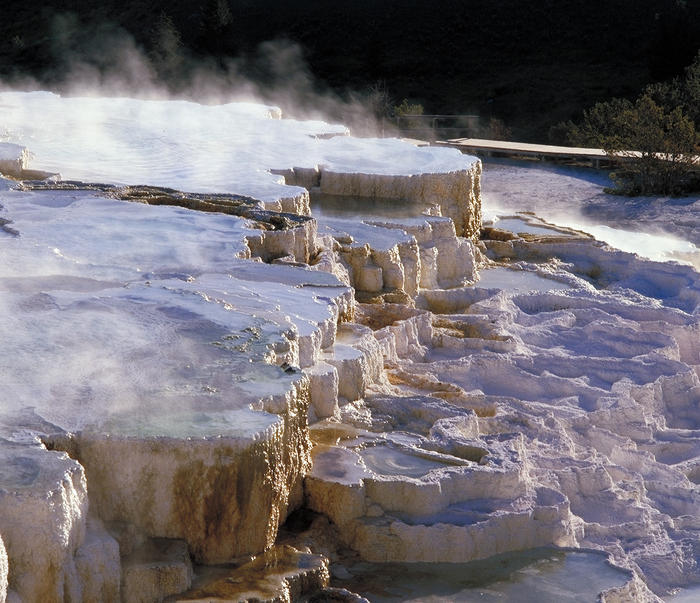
x=3, y=572
x=231, y=148
x=174, y=398
x=43, y=510
x=13, y=159
x=512, y=393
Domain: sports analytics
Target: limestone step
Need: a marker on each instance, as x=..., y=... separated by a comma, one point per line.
x=281, y=575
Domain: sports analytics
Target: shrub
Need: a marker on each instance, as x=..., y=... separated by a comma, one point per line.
x=407, y=115
x=407, y=108
x=655, y=147
x=653, y=139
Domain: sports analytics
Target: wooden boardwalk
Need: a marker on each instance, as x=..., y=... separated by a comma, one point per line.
x=480, y=146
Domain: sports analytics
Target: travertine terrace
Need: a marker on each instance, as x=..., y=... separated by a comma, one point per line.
x=196, y=346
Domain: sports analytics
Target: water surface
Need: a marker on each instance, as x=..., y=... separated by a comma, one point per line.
x=534, y=576
x=387, y=460
x=519, y=225
x=517, y=280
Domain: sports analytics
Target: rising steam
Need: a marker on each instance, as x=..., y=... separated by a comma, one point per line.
x=105, y=60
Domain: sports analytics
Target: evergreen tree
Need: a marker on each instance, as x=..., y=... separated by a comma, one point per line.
x=654, y=139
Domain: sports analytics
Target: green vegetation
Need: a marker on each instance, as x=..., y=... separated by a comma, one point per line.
x=407, y=115
x=405, y=108
x=654, y=140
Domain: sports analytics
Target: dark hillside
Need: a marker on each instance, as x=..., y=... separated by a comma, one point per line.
x=529, y=63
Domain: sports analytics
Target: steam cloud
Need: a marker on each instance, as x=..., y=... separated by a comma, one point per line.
x=105, y=60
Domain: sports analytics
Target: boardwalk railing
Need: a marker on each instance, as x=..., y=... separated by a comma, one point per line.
x=434, y=127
